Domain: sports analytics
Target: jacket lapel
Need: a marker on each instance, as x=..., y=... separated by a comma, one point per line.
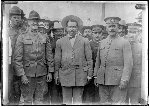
x=77, y=42
x=68, y=43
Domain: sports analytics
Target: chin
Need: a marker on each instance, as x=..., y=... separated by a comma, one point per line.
x=112, y=34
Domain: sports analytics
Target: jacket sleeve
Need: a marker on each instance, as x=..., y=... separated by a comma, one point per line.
x=97, y=63
x=58, y=56
x=128, y=61
x=18, y=56
x=88, y=54
x=49, y=56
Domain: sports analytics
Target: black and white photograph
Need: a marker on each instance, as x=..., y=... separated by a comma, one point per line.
x=80, y=53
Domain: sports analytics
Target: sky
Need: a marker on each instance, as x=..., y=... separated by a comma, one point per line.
x=84, y=10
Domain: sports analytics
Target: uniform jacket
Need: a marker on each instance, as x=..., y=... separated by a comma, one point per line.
x=114, y=61
x=74, y=63
x=33, y=54
x=13, y=35
x=94, y=48
x=135, y=80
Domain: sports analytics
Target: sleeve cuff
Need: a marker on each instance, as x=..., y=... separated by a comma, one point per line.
x=51, y=70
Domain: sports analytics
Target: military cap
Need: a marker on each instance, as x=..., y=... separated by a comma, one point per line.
x=72, y=17
x=34, y=15
x=97, y=28
x=134, y=26
x=112, y=20
x=15, y=10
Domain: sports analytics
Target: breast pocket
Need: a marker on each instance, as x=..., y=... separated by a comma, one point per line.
x=116, y=52
x=28, y=44
x=42, y=45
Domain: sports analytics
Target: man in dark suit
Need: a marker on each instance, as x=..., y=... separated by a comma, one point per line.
x=113, y=65
x=73, y=61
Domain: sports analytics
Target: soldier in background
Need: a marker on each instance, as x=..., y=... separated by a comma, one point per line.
x=87, y=32
x=122, y=28
x=134, y=87
x=91, y=92
x=113, y=65
x=32, y=56
x=54, y=94
x=15, y=19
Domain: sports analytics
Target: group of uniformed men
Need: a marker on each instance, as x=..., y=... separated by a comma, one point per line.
x=84, y=67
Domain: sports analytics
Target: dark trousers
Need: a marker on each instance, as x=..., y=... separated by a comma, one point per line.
x=14, y=92
x=36, y=86
x=54, y=94
x=91, y=93
x=112, y=94
x=74, y=93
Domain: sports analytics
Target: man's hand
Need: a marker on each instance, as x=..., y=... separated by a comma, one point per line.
x=95, y=81
x=57, y=81
x=49, y=77
x=24, y=79
x=88, y=79
x=123, y=84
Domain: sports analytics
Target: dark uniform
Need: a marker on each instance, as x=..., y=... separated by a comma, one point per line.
x=91, y=92
x=113, y=65
x=54, y=94
x=134, y=88
x=14, y=91
x=56, y=90
x=33, y=54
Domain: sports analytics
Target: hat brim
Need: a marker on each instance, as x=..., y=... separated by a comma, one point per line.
x=67, y=18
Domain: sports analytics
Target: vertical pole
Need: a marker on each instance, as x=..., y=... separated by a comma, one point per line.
x=6, y=8
x=103, y=12
x=144, y=78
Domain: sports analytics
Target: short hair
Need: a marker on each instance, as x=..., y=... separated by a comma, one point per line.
x=71, y=20
x=85, y=27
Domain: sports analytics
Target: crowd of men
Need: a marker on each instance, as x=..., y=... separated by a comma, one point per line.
x=86, y=65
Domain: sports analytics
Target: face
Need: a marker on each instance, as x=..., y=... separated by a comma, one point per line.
x=46, y=25
x=97, y=35
x=33, y=24
x=132, y=35
x=112, y=29
x=15, y=20
x=87, y=32
x=72, y=28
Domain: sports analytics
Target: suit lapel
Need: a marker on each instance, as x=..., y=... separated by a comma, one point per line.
x=77, y=42
x=68, y=43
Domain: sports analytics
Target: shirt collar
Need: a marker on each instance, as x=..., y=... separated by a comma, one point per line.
x=72, y=38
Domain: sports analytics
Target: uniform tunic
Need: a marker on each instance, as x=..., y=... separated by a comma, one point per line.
x=134, y=89
x=14, y=81
x=113, y=64
x=33, y=54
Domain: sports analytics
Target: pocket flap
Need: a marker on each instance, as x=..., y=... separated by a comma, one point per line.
x=43, y=41
x=85, y=68
x=117, y=68
x=28, y=41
